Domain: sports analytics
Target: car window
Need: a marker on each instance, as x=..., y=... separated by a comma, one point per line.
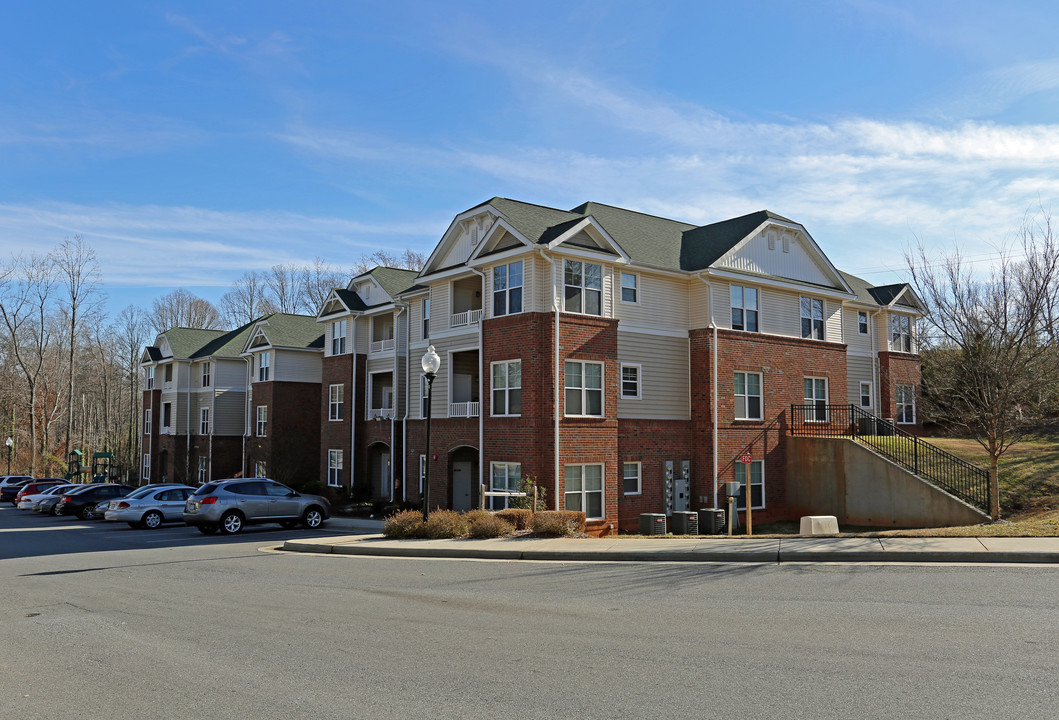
x=206, y=489
x=171, y=495
x=142, y=492
x=247, y=488
x=277, y=490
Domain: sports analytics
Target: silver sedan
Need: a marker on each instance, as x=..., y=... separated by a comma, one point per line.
x=150, y=506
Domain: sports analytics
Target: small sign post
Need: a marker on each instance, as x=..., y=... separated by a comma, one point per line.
x=746, y=458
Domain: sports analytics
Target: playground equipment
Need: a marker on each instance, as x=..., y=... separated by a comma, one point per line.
x=103, y=469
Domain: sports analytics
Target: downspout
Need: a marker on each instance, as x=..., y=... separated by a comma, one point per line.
x=393, y=412
x=404, y=307
x=353, y=405
x=246, y=422
x=876, y=390
x=187, y=431
x=213, y=418
x=481, y=394
x=555, y=378
x=713, y=395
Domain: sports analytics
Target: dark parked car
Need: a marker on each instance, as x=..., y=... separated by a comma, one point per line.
x=228, y=505
x=11, y=489
x=49, y=503
x=83, y=504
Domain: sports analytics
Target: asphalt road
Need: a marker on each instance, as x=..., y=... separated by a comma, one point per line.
x=103, y=622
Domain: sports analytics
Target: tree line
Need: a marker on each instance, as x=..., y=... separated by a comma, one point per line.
x=70, y=373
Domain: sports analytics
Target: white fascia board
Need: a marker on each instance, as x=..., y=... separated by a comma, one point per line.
x=466, y=215
x=584, y=224
x=447, y=274
x=915, y=298
x=496, y=257
x=500, y=224
x=332, y=298
x=586, y=254
x=771, y=282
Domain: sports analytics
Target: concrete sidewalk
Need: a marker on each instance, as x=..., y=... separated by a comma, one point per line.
x=686, y=549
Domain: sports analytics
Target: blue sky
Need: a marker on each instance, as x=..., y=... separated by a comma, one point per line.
x=191, y=141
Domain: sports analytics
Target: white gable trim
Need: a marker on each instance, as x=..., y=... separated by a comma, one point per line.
x=259, y=332
x=912, y=295
x=330, y=301
x=778, y=283
x=586, y=224
x=454, y=230
x=499, y=225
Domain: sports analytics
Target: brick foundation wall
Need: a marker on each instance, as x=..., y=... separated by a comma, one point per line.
x=652, y=443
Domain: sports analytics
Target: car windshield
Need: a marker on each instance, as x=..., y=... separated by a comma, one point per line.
x=78, y=490
x=206, y=489
x=57, y=489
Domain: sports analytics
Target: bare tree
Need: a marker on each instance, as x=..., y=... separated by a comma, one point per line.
x=132, y=332
x=318, y=280
x=283, y=283
x=247, y=300
x=75, y=262
x=407, y=260
x=181, y=308
x=989, y=359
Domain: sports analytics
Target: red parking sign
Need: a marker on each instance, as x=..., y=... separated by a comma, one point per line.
x=746, y=459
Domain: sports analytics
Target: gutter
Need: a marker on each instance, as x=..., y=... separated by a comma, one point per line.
x=401, y=308
x=353, y=405
x=555, y=378
x=187, y=430
x=248, y=359
x=713, y=398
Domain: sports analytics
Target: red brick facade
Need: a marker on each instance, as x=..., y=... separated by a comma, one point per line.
x=898, y=369
x=290, y=448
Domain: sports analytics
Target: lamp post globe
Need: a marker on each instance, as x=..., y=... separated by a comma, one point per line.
x=431, y=363
x=10, y=444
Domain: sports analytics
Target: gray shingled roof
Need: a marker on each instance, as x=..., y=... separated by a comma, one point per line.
x=185, y=342
x=292, y=331
x=394, y=280
x=228, y=345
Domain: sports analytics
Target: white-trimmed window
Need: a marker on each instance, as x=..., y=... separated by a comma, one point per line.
x=145, y=473
x=147, y=421
x=906, y=404
x=426, y=318
x=150, y=378
x=264, y=366
x=261, y=469
x=815, y=394
x=900, y=333
x=862, y=323
x=812, y=312
x=630, y=381
x=584, y=388
x=744, y=308
x=262, y=420
x=583, y=287
x=631, y=479
x=748, y=396
x=204, y=469
x=584, y=490
x=507, y=289
x=504, y=477
x=338, y=337
x=630, y=288
x=334, y=468
x=207, y=374
x=167, y=416
x=204, y=421
x=757, y=484
x=334, y=401
x=169, y=375
x=865, y=395
x=507, y=388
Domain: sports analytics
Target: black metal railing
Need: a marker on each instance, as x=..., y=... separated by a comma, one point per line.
x=952, y=474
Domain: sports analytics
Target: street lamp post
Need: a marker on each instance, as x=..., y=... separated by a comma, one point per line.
x=431, y=363
x=10, y=448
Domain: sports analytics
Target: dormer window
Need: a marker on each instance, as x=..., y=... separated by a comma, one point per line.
x=583, y=283
x=150, y=378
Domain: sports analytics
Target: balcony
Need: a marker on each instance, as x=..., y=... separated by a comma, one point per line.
x=469, y=317
x=378, y=346
x=380, y=414
x=463, y=409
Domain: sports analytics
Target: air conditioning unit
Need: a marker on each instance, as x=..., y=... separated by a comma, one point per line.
x=685, y=522
x=653, y=524
x=886, y=427
x=711, y=521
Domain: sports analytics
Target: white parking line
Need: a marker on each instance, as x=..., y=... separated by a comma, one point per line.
x=45, y=527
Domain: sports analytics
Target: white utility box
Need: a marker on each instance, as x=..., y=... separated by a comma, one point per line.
x=819, y=525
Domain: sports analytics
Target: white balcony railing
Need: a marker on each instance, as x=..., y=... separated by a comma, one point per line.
x=382, y=345
x=380, y=413
x=167, y=430
x=470, y=317
x=464, y=409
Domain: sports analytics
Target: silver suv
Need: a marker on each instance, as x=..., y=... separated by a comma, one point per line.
x=228, y=505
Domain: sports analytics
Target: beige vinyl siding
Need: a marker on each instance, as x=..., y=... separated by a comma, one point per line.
x=858, y=370
x=381, y=363
x=779, y=313
x=833, y=321
x=609, y=275
x=857, y=343
x=361, y=333
x=543, y=285
x=698, y=304
x=443, y=346
x=796, y=264
x=662, y=301
x=440, y=305
x=664, y=381
x=229, y=412
x=297, y=366
x=722, y=304
x=229, y=373
x=179, y=401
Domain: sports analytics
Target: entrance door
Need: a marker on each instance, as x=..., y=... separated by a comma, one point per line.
x=384, y=475
x=462, y=482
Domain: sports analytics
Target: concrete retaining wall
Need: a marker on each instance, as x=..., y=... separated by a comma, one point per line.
x=837, y=476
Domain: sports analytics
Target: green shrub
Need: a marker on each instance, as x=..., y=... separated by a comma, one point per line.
x=404, y=524
x=559, y=523
x=489, y=526
x=526, y=485
x=518, y=517
x=444, y=524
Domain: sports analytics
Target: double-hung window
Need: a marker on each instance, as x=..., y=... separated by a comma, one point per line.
x=338, y=337
x=507, y=289
x=747, y=396
x=150, y=378
x=630, y=290
x=204, y=469
x=865, y=394
x=334, y=401
x=204, y=421
x=145, y=473
x=507, y=388
x=334, y=468
x=815, y=394
x=264, y=366
x=207, y=374
x=901, y=333
x=862, y=323
x=812, y=318
x=630, y=382
x=584, y=388
x=167, y=416
x=583, y=283
x=505, y=477
x=906, y=404
x=631, y=478
x=262, y=420
x=426, y=318
x=744, y=308
x=757, y=484
x=584, y=490
x=147, y=421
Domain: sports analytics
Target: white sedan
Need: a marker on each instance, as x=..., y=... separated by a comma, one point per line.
x=29, y=502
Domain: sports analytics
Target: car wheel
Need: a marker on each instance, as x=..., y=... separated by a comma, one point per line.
x=288, y=524
x=87, y=512
x=151, y=520
x=207, y=529
x=54, y=510
x=231, y=523
x=313, y=518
